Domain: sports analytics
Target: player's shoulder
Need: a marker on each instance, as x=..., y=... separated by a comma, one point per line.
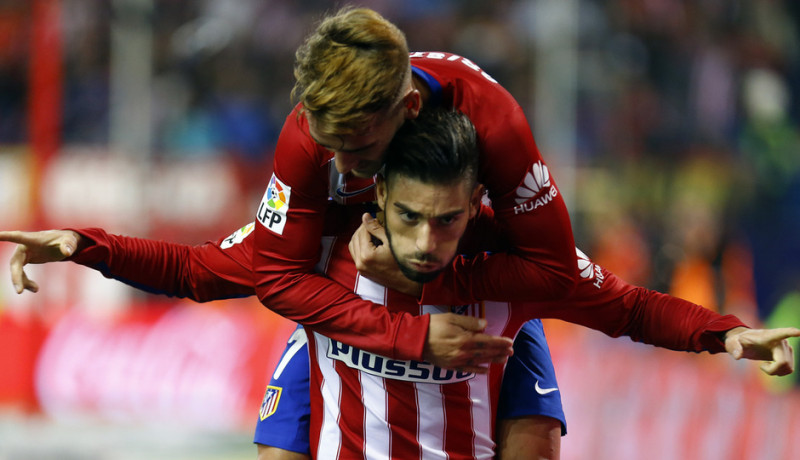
x=451, y=66
x=296, y=153
x=462, y=82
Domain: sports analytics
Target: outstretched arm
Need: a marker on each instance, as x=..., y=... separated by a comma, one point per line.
x=214, y=271
x=202, y=273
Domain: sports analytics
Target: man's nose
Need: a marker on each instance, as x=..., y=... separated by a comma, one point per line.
x=345, y=162
x=426, y=239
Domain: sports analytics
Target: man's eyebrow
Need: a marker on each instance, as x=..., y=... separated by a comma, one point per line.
x=405, y=208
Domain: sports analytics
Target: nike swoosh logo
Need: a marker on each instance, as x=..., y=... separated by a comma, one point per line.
x=344, y=194
x=543, y=391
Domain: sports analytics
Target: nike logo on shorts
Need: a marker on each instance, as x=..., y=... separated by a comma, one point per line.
x=544, y=391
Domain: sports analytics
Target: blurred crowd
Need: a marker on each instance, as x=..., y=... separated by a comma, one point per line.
x=688, y=115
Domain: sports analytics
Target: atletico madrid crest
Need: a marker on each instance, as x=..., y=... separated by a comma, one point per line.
x=270, y=403
x=478, y=310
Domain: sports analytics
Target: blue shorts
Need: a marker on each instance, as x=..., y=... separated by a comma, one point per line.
x=284, y=417
x=529, y=382
x=529, y=388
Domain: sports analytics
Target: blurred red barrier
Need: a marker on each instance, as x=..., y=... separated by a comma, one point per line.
x=195, y=365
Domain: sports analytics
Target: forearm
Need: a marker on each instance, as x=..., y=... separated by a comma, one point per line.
x=329, y=308
x=158, y=267
x=649, y=317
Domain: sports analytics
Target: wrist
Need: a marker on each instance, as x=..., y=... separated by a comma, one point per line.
x=725, y=335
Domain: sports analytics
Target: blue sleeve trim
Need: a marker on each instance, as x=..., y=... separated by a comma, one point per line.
x=433, y=85
x=106, y=271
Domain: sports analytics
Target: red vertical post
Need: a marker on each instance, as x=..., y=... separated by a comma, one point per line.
x=44, y=94
x=44, y=137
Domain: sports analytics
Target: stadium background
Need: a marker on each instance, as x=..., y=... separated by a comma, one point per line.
x=672, y=128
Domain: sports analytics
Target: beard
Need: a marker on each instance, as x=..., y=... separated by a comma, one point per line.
x=410, y=273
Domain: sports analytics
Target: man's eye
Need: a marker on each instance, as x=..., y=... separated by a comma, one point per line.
x=447, y=220
x=409, y=216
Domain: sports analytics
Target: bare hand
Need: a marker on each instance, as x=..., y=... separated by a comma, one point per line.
x=37, y=248
x=764, y=345
x=457, y=342
x=369, y=248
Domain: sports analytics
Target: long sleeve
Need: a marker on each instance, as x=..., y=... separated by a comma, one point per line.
x=202, y=273
x=604, y=302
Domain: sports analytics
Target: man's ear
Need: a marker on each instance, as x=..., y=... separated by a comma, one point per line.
x=381, y=191
x=475, y=199
x=412, y=104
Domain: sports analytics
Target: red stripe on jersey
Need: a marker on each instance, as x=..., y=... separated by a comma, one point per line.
x=458, y=407
x=351, y=406
x=402, y=416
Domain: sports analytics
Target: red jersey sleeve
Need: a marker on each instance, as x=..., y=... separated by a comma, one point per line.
x=289, y=226
x=539, y=265
x=211, y=271
x=606, y=303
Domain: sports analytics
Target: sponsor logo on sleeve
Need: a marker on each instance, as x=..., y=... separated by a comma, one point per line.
x=381, y=366
x=238, y=236
x=537, y=185
x=274, y=205
x=589, y=270
x=270, y=402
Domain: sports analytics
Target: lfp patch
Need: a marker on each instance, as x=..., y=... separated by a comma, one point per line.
x=274, y=205
x=270, y=402
x=238, y=236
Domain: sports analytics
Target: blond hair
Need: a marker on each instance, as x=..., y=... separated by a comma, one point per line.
x=353, y=66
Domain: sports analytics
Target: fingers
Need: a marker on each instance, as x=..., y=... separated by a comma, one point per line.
x=18, y=276
x=28, y=284
x=26, y=238
x=373, y=227
x=469, y=323
x=784, y=333
x=777, y=368
x=479, y=361
x=782, y=360
x=67, y=245
x=11, y=236
x=734, y=347
x=491, y=345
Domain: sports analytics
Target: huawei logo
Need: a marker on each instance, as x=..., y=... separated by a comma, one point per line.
x=535, y=181
x=585, y=266
x=589, y=270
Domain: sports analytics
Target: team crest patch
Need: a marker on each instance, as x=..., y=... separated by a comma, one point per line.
x=270, y=402
x=477, y=310
x=238, y=236
x=274, y=205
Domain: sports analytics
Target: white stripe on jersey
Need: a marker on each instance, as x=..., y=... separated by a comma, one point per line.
x=330, y=434
x=432, y=420
x=376, y=427
x=481, y=416
x=430, y=397
x=377, y=433
x=370, y=290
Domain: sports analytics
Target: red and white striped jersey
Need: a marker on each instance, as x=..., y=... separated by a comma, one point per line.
x=369, y=406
